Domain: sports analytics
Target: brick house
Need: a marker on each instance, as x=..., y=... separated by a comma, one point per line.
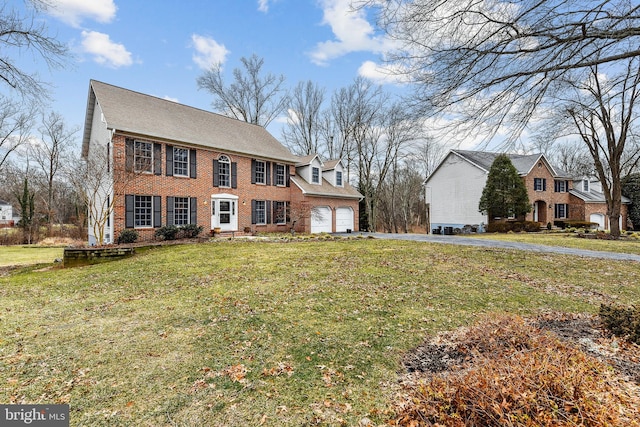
x=454, y=189
x=171, y=164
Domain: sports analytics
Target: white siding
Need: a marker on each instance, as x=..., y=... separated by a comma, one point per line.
x=455, y=189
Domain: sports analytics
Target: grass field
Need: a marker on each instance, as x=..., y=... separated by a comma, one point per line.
x=26, y=255
x=256, y=333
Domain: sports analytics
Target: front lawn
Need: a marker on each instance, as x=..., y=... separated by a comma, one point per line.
x=255, y=333
x=26, y=255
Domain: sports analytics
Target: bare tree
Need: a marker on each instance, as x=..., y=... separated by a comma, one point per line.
x=27, y=33
x=51, y=153
x=303, y=131
x=252, y=97
x=16, y=120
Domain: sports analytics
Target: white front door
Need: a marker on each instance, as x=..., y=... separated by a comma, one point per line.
x=224, y=212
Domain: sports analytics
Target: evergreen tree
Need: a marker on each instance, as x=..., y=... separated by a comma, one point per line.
x=631, y=189
x=504, y=194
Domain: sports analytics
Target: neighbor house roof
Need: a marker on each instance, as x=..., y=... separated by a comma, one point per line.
x=522, y=162
x=326, y=189
x=2, y=202
x=305, y=160
x=593, y=196
x=144, y=115
x=330, y=164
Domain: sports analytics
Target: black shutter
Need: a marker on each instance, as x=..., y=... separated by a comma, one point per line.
x=129, y=154
x=267, y=172
x=566, y=186
x=288, y=172
x=170, y=206
x=193, y=210
x=268, y=211
x=157, y=211
x=288, y=211
x=216, y=173
x=234, y=175
x=253, y=212
x=169, y=171
x=544, y=184
x=192, y=164
x=253, y=171
x=157, y=159
x=129, y=208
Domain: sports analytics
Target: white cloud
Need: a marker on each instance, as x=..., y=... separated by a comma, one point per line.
x=263, y=5
x=73, y=12
x=382, y=74
x=105, y=51
x=208, y=51
x=352, y=32
x=169, y=98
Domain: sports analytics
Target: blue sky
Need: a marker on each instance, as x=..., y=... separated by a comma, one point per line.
x=160, y=47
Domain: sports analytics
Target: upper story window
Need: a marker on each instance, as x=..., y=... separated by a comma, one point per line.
x=540, y=184
x=585, y=185
x=280, y=175
x=560, y=186
x=143, y=156
x=180, y=161
x=260, y=172
x=339, y=178
x=224, y=171
x=315, y=175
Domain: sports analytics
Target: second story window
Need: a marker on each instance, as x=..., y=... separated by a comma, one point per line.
x=180, y=161
x=260, y=172
x=315, y=175
x=143, y=156
x=585, y=185
x=560, y=186
x=339, y=178
x=224, y=171
x=540, y=184
x=280, y=175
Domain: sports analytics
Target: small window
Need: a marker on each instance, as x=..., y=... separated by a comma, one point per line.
x=560, y=186
x=180, y=211
x=339, y=178
x=261, y=212
x=540, y=184
x=585, y=185
x=260, y=172
x=315, y=175
x=143, y=211
x=224, y=171
x=280, y=212
x=143, y=156
x=280, y=176
x=180, y=161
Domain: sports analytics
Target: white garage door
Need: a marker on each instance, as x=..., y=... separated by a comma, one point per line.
x=344, y=219
x=321, y=219
x=598, y=219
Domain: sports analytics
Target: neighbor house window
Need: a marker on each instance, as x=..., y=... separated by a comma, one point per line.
x=339, y=178
x=143, y=211
x=561, y=210
x=315, y=175
x=261, y=212
x=180, y=161
x=280, y=212
x=540, y=184
x=585, y=185
x=560, y=186
x=143, y=156
x=180, y=211
x=224, y=171
x=280, y=176
x=260, y=172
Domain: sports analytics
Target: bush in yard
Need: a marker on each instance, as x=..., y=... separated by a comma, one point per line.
x=168, y=232
x=623, y=322
x=127, y=236
x=190, y=231
x=515, y=226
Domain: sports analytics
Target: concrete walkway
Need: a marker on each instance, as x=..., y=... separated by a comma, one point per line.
x=469, y=241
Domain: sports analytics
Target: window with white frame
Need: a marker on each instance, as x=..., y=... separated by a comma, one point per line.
x=224, y=171
x=280, y=212
x=261, y=212
x=561, y=210
x=180, y=161
x=280, y=175
x=540, y=184
x=560, y=186
x=143, y=211
x=339, y=178
x=315, y=175
x=585, y=185
x=260, y=172
x=180, y=211
x=143, y=156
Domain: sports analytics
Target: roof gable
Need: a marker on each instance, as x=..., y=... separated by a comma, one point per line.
x=136, y=113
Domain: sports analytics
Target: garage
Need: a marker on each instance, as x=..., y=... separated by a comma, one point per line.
x=321, y=219
x=344, y=219
x=598, y=219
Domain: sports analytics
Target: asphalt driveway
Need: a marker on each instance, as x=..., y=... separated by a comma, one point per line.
x=469, y=241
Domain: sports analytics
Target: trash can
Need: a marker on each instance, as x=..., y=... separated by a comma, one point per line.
x=448, y=231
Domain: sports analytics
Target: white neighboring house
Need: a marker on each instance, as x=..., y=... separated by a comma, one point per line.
x=6, y=214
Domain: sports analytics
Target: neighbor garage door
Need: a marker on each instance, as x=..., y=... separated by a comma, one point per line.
x=344, y=219
x=598, y=219
x=321, y=219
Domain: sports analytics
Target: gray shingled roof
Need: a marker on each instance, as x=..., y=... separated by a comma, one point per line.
x=522, y=162
x=326, y=189
x=594, y=196
x=133, y=112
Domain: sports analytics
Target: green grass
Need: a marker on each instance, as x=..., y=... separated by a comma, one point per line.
x=255, y=333
x=569, y=240
x=25, y=255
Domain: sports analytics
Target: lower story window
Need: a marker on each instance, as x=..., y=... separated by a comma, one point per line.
x=143, y=211
x=280, y=212
x=261, y=212
x=181, y=211
x=561, y=210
